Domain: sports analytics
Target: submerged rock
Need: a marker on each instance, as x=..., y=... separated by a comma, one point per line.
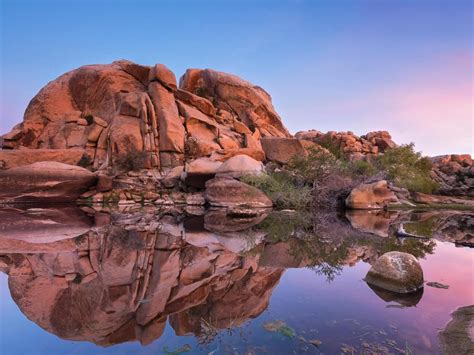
x=458, y=335
x=375, y=195
x=396, y=271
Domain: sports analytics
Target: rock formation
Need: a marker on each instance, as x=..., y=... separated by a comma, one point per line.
x=455, y=174
x=371, y=196
x=348, y=143
x=124, y=116
x=397, y=272
x=109, y=110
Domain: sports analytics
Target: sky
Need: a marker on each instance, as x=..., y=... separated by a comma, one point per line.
x=405, y=66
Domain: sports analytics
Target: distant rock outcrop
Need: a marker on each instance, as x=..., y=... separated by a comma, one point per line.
x=454, y=173
x=351, y=145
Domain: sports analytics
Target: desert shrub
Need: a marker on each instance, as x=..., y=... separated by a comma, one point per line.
x=281, y=226
x=85, y=161
x=133, y=160
x=407, y=168
x=328, y=143
x=315, y=166
x=282, y=190
x=361, y=168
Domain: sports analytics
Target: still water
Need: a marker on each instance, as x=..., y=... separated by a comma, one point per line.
x=206, y=282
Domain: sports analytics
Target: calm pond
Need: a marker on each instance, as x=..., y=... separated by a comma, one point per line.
x=151, y=281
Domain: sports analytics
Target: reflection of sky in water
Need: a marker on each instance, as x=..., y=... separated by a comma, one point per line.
x=343, y=311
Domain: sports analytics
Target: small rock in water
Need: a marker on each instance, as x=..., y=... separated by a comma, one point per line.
x=437, y=285
x=396, y=271
x=315, y=342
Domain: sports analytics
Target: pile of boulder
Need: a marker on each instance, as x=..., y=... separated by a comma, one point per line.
x=349, y=144
x=454, y=173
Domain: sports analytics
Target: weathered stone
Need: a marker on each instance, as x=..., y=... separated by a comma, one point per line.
x=171, y=179
x=165, y=76
x=45, y=181
x=125, y=135
x=15, y=158
x=238, y=166
x=281, y=150
x=251, y=103
x=371, y=196
x=199, y=171
x=228, y=144
x=396, y=271
x=104, y=183
x=202, y=104
x=195, y=199
x=225, y=192
x=171, y=129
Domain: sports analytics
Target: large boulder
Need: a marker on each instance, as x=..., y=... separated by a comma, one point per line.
x=227, y=192
x=19, y=157
x=375, y=195
x=281, y=150
x=238, y=166
x=397, y=272
x=45, y=181
x=197, y=172
x=235, y=98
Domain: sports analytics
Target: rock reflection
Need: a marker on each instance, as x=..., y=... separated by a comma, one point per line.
x=125, y=277
x=448, y=226
x=401, y=299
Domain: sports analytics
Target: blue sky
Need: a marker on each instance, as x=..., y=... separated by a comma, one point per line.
x=403, y=66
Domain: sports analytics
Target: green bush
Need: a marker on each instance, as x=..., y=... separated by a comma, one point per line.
x=315, y=166
x=328, y=143
x=360, y=168
x=282, y=190
x=407, y=168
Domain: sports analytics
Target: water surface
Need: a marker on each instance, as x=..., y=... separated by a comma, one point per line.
x=157, y=282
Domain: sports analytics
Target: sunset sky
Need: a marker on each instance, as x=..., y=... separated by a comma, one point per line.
x=401, y=66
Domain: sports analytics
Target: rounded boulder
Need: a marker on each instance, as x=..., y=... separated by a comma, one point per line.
x=238, y=166
x=397, y=272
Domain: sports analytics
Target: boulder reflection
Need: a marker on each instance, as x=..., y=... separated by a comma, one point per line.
x=123, y=278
